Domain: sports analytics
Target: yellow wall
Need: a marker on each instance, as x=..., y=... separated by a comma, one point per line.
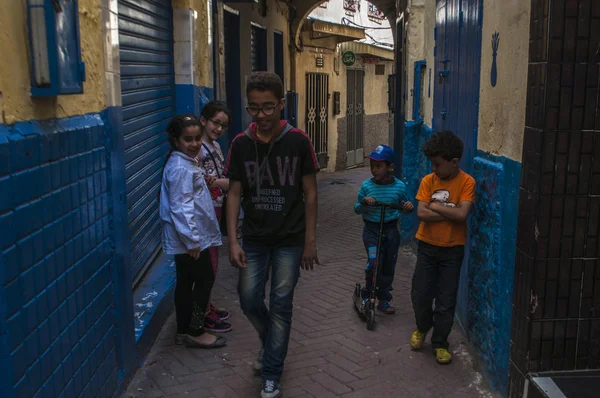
x=420, y=43
x=16, y=103
x=204, y=60
x=276, y=19
x=306, y=62
x=375, y=94
x=502, y=108
x=376, y=89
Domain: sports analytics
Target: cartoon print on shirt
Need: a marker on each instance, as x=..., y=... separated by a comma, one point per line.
x=442, y=197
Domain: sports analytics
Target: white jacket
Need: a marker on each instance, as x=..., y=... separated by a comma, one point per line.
x=186, y=208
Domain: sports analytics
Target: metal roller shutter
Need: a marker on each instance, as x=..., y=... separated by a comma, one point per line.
x=258, y=48
x=148, y=94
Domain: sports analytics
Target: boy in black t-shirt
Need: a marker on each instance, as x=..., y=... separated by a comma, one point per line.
x=273, y=166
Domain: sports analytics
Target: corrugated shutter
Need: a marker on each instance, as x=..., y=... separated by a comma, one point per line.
x=258, y=48
x=254, y=49
x=148, y=91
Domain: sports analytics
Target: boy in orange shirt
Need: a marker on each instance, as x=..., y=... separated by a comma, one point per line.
x=445, y=198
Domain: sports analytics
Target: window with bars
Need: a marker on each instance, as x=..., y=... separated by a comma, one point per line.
x=374, y=12
x=351, y=5
x=380, y=69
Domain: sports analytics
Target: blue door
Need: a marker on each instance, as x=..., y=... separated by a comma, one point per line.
x=233, y=85
x=456, y=95
x=148, y=95
x=457, y=62
x=279, y=51
x=278, y=62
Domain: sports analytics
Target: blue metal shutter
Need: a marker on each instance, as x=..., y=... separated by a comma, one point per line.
x=148, y=93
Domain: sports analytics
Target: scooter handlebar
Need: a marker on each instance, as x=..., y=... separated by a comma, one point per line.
x=394, y=206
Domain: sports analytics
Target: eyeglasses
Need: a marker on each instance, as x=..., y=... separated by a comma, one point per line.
x=219, y=125
x=266, y=110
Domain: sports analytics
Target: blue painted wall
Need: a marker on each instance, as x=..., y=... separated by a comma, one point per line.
x=191, y=99
x=415, y=166
x=456, y=96
x=66, y=304
x=58, y=323
x=493, y=231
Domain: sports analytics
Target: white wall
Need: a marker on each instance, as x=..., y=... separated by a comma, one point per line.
x=419, y=46
x=333, y=11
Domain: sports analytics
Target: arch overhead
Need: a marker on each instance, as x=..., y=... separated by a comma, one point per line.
x=301, y=9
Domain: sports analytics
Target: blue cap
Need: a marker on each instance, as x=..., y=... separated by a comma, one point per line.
x=383, y=153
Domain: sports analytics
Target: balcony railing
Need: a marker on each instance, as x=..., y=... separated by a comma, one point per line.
x=351, y=5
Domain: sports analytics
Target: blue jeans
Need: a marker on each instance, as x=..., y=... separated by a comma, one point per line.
x=386, y=263
x=273, y=325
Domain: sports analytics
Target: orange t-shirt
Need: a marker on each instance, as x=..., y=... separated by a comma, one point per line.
x=449, y=193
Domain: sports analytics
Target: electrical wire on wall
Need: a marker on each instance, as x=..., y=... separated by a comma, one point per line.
x=346, y=21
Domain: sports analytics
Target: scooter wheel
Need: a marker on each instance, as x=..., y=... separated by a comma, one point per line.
x=370, y=319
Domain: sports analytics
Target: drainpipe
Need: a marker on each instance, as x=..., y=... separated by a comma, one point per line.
x=292, y=46
x=399, y=111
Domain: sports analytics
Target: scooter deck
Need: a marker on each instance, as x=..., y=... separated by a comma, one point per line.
x=359, y=305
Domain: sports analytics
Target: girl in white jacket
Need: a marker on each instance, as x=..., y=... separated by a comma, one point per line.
x=190, y=228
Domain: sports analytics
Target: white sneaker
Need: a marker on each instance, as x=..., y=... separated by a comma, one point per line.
x=271, y=389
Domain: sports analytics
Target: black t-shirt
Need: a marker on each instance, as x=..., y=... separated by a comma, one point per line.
x=273, y=210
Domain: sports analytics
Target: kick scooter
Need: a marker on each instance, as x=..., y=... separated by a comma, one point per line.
x=367, y=310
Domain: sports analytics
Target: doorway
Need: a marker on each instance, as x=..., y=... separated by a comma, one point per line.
x=233, y=89
x=317, y=113
x=355, y=118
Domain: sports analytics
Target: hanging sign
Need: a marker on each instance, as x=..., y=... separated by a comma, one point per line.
x=348, y=58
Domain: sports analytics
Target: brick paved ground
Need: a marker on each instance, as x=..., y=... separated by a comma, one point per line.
x=331, y=353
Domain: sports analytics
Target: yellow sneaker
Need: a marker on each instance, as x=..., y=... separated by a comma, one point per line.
x=416, y=340
x=442, y=356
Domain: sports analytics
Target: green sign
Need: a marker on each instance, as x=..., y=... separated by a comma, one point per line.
x=348, y=58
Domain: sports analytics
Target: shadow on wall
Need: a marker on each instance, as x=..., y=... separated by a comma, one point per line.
x=376, y=131
x=342, y=144
x=415, y=166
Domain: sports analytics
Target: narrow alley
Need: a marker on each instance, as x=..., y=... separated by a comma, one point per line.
x=331, y=352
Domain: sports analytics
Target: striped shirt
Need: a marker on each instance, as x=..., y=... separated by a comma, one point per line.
x=394, y=192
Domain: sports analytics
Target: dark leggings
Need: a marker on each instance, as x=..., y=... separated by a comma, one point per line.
x=195, y=279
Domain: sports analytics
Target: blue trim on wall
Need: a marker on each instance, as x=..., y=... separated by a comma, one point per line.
x=415, y=167
x=419, y=66
x=493, y=231
x=187, y=100
x=122, y=276
x=190, y=99
x=58, y=310
x=153, y=302
x=5, y=364
x=66, y=303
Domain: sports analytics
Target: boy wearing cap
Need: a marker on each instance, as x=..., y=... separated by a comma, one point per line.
x=385, y=188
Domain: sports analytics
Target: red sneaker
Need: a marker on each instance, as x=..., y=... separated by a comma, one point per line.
x=213, y=324
x=221, y=314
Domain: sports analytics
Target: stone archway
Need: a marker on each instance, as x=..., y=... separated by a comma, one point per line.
x=301, y=9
